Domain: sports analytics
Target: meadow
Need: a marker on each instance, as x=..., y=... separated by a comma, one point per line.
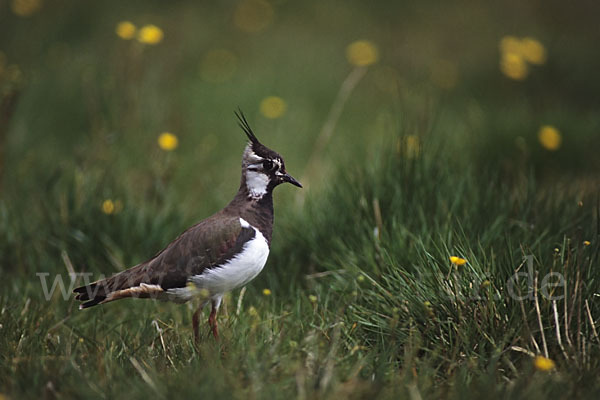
x=445, y=244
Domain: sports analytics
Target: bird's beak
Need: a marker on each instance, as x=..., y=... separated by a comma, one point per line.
x=288, y=178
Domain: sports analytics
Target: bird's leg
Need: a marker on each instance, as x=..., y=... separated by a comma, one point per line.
x=196, y=321
x=212, y=319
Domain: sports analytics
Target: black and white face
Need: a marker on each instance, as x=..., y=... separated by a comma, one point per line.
x=264, y=169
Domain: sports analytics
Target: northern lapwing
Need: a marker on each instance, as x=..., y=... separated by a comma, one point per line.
x=221, y=253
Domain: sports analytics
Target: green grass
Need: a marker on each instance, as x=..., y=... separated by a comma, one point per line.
x=364, y=302
x=390, y=317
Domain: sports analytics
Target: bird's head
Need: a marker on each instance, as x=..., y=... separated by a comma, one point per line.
x=262, y=168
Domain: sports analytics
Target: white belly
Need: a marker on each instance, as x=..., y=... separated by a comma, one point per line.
x=238, y=271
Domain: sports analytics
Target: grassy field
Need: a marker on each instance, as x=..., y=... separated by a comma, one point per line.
x=445, y=245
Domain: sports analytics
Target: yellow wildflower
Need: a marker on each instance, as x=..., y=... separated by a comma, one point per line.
x=253, y=15
x=272, y=107
x=312, y=298
x=549, y=137
x=150, y=34
x=267, y=292
x=252, y=312
x=510, y=44
x=108, y=207
x=25, y=8
x=362, y=53
x=125, y=30
x=586, y=243
x=485, y=283
x=516, y=53
x=513, y=65
x=80, y=340
x=167, y=141
x=533, y=51
x=544, y=364
x=457, y=261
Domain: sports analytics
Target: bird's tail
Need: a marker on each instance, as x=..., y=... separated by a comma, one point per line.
x=131, y=283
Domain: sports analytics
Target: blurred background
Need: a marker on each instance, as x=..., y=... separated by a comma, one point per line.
x=438, y=143
x=109, y=106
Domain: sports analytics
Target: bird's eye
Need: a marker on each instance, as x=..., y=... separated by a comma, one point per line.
x=267, y=165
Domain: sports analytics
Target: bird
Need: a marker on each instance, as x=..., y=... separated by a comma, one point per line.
x=217, y=255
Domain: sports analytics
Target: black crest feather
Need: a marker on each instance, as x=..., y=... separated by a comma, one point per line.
x=243, y=123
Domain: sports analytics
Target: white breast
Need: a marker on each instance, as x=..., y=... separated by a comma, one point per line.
x=238, y=271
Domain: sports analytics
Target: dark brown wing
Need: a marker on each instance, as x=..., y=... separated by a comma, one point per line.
x=207, y=244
